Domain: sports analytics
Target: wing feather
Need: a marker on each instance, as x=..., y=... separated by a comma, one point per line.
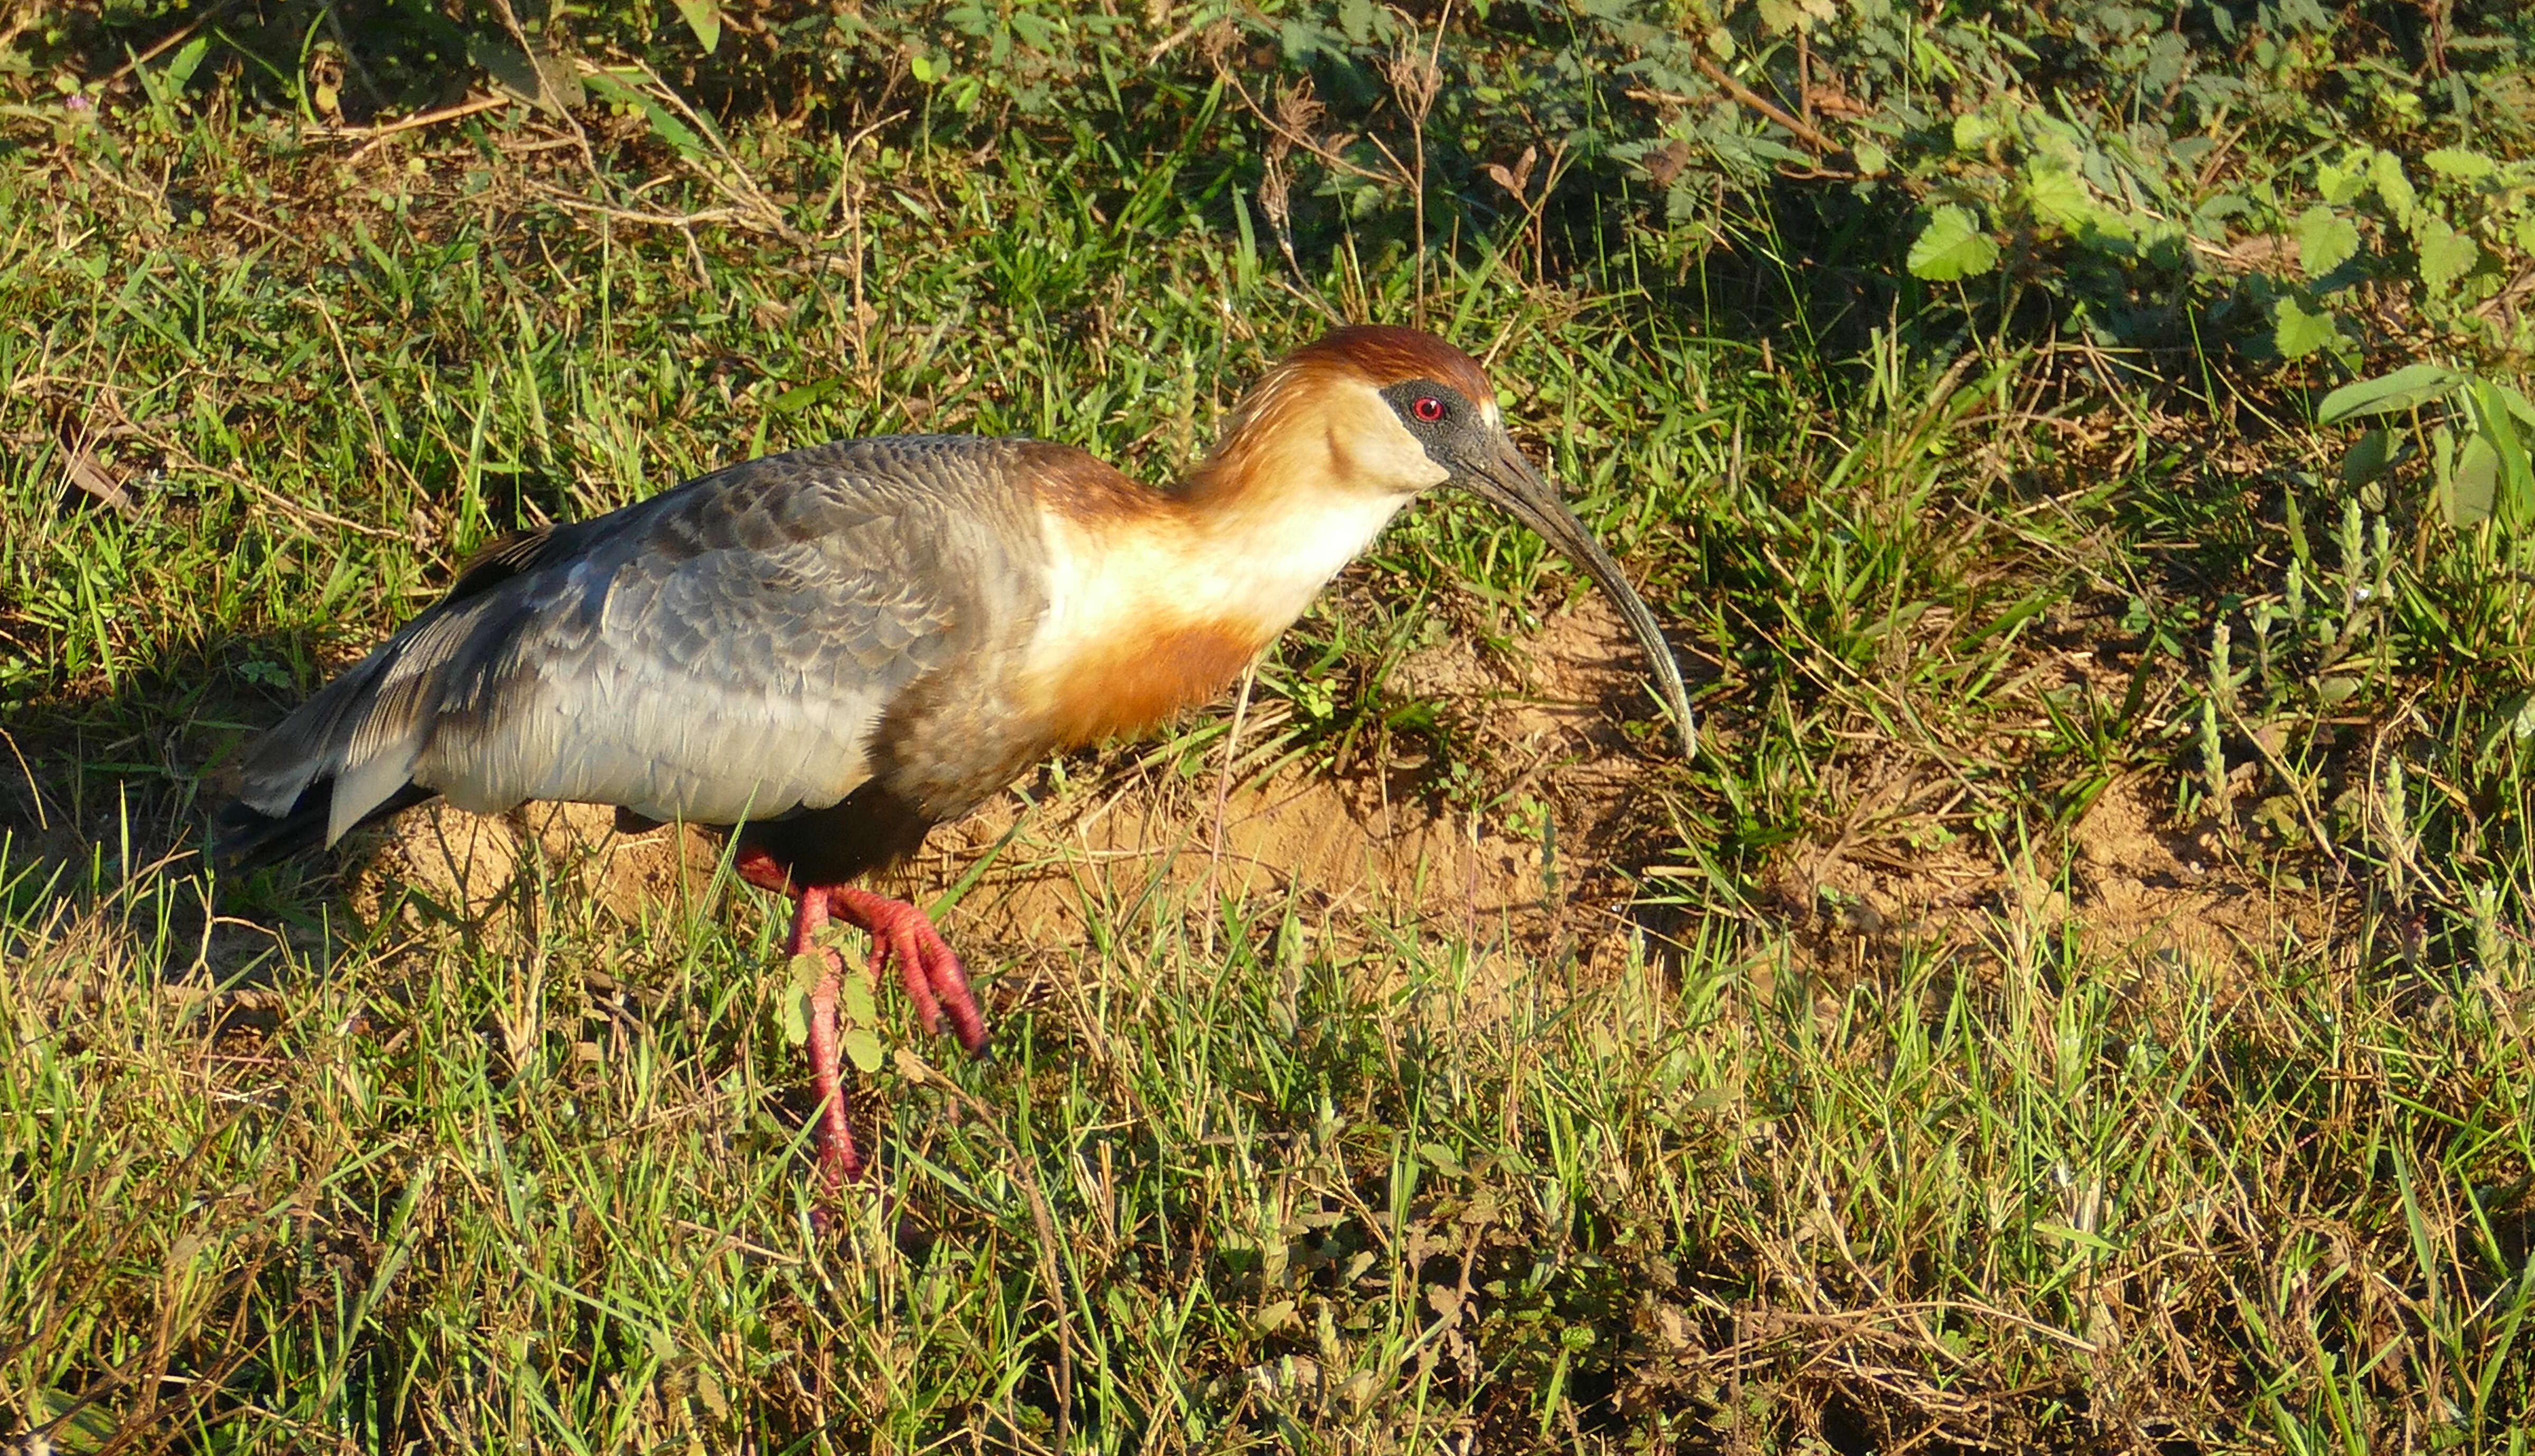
x=724, y=650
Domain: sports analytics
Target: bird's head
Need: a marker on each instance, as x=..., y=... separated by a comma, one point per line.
x=1400, y=412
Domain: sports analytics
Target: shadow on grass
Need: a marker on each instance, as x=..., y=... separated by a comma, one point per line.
x=104, y=798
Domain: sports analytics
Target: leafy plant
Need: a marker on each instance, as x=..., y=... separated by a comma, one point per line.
x=2467, y=428
x=2448, y=228
x=2299, y=179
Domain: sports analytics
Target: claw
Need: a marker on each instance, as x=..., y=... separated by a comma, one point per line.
x=934, y=978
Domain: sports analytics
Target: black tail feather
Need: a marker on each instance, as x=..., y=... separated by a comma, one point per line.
x=243, y=837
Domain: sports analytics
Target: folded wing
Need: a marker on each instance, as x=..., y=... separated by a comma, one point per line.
x=725, y=651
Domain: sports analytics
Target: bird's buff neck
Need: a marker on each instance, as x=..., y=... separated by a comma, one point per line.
x=1151, y=614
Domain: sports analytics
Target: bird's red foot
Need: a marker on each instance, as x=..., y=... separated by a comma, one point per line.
x=933, y=979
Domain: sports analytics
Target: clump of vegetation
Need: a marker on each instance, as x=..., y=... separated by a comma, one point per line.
x=2076, y=1001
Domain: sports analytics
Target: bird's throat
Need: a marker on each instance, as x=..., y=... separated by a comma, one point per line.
x=1150, y=615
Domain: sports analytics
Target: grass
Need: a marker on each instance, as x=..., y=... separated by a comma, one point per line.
x=1805, y=1157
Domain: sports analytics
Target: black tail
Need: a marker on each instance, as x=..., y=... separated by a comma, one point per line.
x=244, y=836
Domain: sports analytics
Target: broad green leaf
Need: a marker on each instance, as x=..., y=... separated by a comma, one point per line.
x=854, y=998
x=1971, y=130
x=2387, y=171
x=2061, y=143
x=2460, y=162
x=188, y=60
x=664, y=123
x=1872, y=159
x=2446, y=255
x=2473, y=487
x=509, y=70
x=2060, y=198
x=1765, y=149
x=2366, y=458
x=2512, y=402
x=2520, y=711
x=1953, y=246
x=795, y=1006
x=1038, y=32
x=863, y=1048
x=802, y=397
x=544, y=82
x=807, y=970
x=2209, y=218
x=703, y=16
x=2325, y=240
x=2298, y=332
x=2407, y=387
x=2342, y=182
x=2517, y=473
x=562, y=82
x=91, y=1424
x=1781, y=17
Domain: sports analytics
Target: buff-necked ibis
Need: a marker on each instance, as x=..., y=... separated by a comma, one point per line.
x=839, y=648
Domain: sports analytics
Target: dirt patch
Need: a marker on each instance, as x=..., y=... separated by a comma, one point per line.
x=1538, y=862
x=1334, y=846
x=2133, y=890
x=461, y=866
x=1564, y=692
x=2149, y=892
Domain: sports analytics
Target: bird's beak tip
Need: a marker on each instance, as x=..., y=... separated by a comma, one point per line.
x=1509, y=483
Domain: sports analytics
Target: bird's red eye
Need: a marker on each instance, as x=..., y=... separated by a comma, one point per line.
x=1427, y=408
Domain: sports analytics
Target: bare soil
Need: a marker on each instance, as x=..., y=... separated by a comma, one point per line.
x=2133, y=889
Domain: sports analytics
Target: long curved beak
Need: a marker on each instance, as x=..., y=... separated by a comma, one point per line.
x=1508, y=480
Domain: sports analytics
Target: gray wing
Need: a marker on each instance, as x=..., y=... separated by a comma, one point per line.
x=722, y=651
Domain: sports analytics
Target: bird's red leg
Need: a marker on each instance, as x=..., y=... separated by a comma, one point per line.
x=935, y=982
x=758, y=867
x=838, y=1158
x=934, y=978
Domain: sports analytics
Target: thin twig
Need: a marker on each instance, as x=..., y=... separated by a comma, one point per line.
x=2296, y=786
x=170, y=41
x=727, y=176
x=472, y=105
x=1803, y=131
x=1326, y=151
x=848, y=197
x=181, y=458
x=679, y=222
